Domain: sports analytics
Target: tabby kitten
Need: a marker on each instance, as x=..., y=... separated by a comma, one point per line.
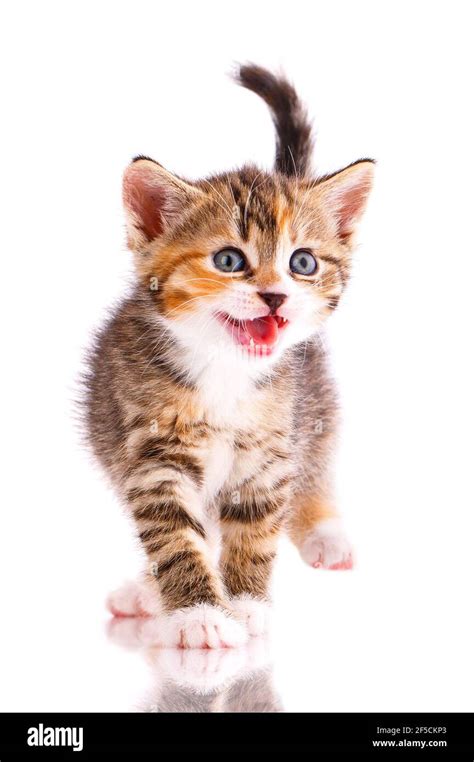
x=208, y=400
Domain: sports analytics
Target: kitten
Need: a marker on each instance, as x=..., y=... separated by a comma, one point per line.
x=208, y=399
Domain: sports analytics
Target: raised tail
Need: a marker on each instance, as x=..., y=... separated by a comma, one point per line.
x=294, y=142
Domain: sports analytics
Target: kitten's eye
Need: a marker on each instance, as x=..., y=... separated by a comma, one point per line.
x=303, y=262
x=229, y=260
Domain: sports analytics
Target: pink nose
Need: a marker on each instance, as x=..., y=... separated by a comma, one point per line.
x=273, y=300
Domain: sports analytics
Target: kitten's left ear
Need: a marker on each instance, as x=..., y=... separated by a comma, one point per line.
x=345, y=195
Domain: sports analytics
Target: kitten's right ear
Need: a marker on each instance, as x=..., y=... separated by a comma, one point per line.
x=153, y=198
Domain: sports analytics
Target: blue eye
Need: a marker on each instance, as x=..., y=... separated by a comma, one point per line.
x=302, y=262
x=229, y=261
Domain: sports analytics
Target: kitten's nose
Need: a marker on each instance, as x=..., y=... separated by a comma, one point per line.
x=273, y=300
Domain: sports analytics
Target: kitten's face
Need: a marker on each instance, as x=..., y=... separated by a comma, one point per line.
x=248, y=264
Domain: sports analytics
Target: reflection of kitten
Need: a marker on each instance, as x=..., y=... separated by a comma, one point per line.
x=209, y=404
x=252, y=693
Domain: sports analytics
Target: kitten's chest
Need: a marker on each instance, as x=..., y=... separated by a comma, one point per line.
x=242, y=451
x=219, y=462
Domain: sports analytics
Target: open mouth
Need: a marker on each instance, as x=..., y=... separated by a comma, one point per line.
x=259, y=335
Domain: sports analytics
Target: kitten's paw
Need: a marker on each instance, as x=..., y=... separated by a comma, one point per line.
x=327, y=547
x=133, y=599
x=201, y=626
x=253, y=613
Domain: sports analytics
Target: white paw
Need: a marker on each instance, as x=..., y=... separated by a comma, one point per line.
x=327, y=547
x=133, y=599
x=253, y=613
x=200, y=626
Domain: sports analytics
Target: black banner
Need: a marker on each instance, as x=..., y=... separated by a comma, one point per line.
x=446, y=736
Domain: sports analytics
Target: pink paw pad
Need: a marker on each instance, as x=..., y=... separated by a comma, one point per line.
x=326, y=547
x=345, y=565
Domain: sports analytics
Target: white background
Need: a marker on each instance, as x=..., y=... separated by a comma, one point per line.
x=86, y=86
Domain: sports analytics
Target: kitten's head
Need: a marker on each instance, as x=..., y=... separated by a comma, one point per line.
x=246, y=264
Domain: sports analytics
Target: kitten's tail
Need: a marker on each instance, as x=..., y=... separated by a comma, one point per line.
x=294, y=141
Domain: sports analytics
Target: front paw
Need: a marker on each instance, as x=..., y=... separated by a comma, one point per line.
x=134, y=599
x=254, y=614
x=201, y=626
x=327, y=547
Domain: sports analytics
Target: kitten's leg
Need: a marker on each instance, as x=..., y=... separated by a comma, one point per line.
x=247, y=559
x=167, y=508
x=250, y=530
x=317, y=531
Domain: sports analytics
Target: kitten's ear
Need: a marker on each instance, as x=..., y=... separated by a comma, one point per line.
x=346, y=193
x=153, y=199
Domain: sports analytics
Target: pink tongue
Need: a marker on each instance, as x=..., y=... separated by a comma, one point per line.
x=263, y=330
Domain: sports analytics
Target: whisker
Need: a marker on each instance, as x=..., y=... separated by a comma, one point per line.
x=226, y=207
x=311, y=186
x=193, y=299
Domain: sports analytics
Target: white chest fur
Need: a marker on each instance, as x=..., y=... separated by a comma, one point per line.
x=219, y=460
x=222, y=390
x=231, y=403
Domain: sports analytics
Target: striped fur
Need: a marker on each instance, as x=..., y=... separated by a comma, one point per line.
x=215, y=448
